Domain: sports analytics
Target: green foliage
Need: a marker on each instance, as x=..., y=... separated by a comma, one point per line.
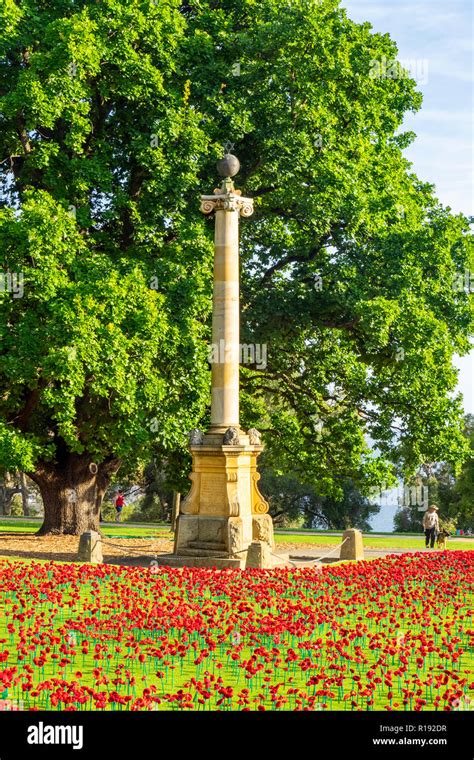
x=297, y=504
x=409, y=517
x=150, y=510
x=448, y=524
x=452, y=493
x=112, y=115
x=17, y=506
x=105, y=353
x=407, y=520
x=460, y=505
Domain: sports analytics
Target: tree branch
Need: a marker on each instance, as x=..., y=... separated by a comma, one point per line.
x=293, y=258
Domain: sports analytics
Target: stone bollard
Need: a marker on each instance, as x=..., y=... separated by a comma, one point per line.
x=353, y=548
x=90, y=547
x=259, y=555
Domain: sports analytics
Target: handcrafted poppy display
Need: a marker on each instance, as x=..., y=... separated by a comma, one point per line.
x=390, y=634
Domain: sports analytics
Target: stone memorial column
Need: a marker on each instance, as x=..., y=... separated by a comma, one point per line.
x=224, y=512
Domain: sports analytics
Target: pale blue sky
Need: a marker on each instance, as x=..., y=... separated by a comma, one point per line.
x=439, y=32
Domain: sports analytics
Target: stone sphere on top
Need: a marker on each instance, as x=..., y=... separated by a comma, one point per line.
x=228, y=166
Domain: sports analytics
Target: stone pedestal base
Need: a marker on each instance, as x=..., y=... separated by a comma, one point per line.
x=258, y=555
x=353, y=548
x=219, y=537
x=224, y=511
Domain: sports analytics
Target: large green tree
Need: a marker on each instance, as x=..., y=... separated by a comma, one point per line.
x=105, y=352
x=112, y=115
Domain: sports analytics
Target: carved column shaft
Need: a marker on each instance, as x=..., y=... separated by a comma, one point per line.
x=225, y=351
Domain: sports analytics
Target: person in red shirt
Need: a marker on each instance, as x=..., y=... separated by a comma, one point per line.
x=119, y=504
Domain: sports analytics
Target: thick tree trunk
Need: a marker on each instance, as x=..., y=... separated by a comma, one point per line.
x=72, y=494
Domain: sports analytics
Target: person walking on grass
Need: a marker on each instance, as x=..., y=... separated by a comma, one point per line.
x=431, y=526
x=119, y=504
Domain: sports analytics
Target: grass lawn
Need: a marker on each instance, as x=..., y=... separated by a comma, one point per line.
x=120, y=529
x=375, y=542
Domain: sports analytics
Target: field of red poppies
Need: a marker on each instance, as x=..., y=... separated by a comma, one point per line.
x=389, y=634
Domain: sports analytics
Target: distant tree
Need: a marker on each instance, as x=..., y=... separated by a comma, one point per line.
x=408, y=517
x=289, y=499
x=292, y=501
x=406, y=520
x=156, y=504
x=24, y=493
x=453, y=494
x=352, y=510
x=9, y=487
x=461, y=501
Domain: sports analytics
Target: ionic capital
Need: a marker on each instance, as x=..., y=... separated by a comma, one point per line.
x=227, y=202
